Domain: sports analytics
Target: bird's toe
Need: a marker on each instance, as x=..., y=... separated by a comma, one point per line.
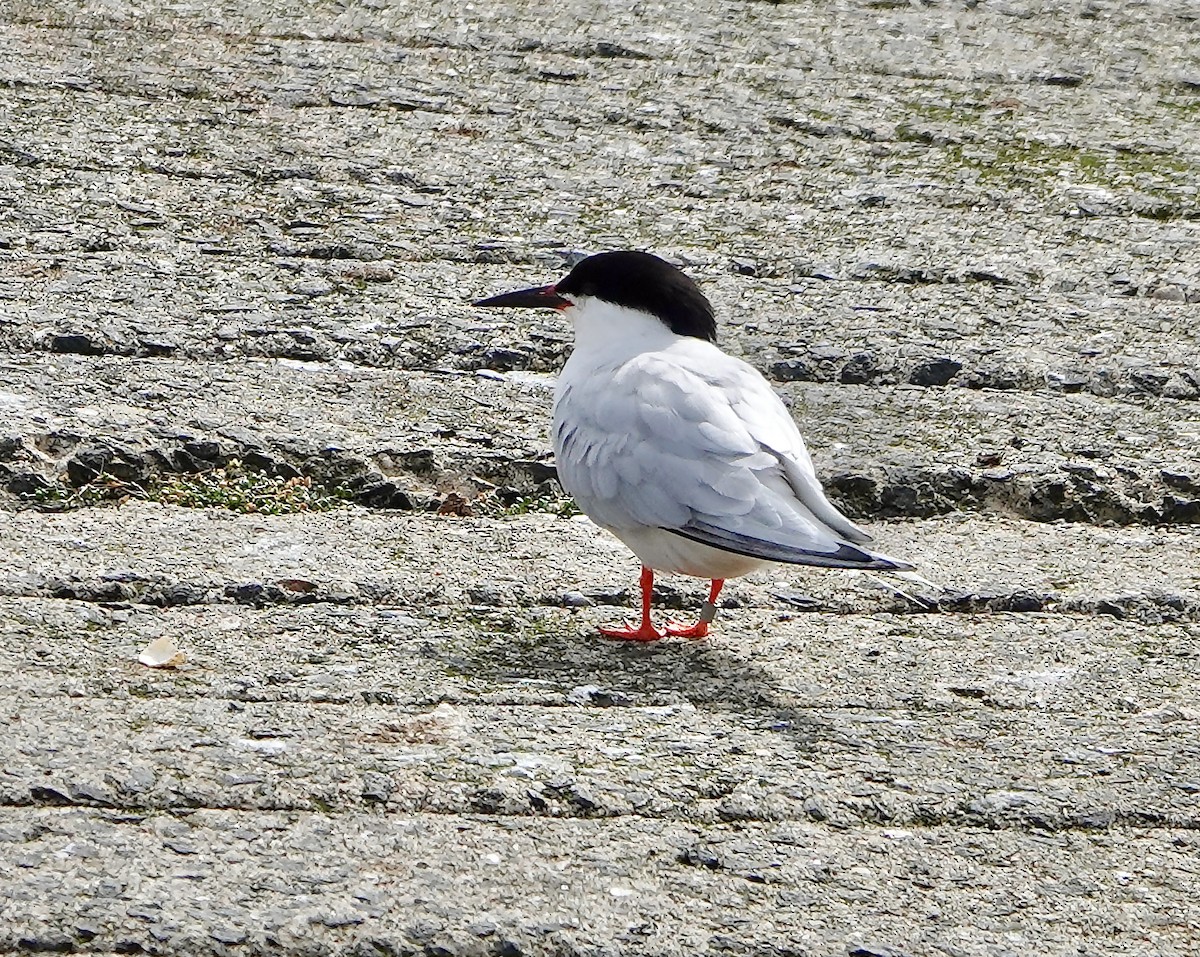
x=643, y=632
x=677, y=629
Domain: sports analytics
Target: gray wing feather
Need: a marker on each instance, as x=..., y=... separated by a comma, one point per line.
x=658, y=444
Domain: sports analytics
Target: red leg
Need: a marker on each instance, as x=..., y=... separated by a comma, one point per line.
x=700, y=629
x=646, y=631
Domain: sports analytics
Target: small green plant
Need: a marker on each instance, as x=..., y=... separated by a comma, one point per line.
x=233, y=487
x=103, y=488
x=240, y=490
x=561, y=506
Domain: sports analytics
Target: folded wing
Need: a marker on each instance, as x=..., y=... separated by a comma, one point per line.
x=697, y=443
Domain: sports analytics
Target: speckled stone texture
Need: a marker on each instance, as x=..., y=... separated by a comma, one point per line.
x=963, y=240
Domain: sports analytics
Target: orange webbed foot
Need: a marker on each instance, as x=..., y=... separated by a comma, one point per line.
x=677, y=629
x=643, y=632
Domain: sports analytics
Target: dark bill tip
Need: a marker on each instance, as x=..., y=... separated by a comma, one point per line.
x=542, y=297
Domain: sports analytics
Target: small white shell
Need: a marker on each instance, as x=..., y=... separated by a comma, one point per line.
x=162, y=653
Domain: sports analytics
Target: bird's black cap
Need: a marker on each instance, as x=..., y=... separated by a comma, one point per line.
x=626, y=278
x=642, y=281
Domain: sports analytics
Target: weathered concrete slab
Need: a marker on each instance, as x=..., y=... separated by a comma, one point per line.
x=918, y=186
x=166, y=555
x=216, y=882
x=890, y=451
x=818, y=740
x=806, y=781
x=855, y=718
x=962, y=238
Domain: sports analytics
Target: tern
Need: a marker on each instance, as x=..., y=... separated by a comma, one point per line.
x=681, y=451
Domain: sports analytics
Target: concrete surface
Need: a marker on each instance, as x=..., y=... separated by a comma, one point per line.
x=963, y=240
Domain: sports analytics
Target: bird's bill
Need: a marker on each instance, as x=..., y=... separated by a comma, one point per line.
x=540, y=297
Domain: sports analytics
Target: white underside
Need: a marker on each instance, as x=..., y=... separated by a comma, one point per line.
x=673, y=554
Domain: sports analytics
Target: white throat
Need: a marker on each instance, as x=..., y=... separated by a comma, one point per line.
x=602, y=328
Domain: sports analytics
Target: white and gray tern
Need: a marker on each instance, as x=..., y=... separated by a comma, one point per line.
x=681, y=451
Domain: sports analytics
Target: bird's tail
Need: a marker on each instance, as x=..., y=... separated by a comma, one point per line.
x=926, y=602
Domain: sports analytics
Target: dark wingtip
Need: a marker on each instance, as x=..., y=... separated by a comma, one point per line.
x=846, y=556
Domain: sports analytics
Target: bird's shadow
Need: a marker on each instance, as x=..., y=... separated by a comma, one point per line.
x=569, y=656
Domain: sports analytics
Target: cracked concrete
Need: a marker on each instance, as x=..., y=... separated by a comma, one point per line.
x=961, y=239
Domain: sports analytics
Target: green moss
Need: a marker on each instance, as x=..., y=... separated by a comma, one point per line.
x=498, y=645
x=1188, y=107
x=1156, y=164
x=961, y=114
x=493, y=507
x=233, y=487
x=1030, y=164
